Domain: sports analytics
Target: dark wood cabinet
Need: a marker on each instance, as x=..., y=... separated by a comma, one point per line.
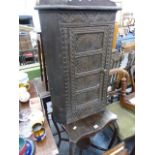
x=77, y=39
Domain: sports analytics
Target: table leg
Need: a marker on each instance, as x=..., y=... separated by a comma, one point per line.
x=57, y=129
x=81, y=152
x=72, y=147
x=115, y=130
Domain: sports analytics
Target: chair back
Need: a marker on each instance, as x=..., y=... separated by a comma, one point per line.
x=115, y=90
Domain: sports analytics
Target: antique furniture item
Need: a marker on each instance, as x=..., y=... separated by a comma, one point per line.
x=77, y=40
x=124, y=100
x=79, y=132
x=123, y=110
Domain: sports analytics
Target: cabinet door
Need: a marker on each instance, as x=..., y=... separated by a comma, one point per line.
x=88, y=50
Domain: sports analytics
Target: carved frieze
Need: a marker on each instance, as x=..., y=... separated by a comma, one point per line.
x=85, y=18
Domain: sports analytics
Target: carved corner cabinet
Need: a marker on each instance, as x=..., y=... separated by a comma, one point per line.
x=77, y=38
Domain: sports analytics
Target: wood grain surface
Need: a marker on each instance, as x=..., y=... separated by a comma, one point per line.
x=48, y=145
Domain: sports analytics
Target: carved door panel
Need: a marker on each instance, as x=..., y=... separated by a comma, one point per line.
x=88, y=47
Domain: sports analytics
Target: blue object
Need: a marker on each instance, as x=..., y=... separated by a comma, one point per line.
x=30, y=147
x=128, y=38
x=40, y=138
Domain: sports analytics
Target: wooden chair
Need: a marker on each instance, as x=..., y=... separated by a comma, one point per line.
x=114, y=87
x=124, y=99
x=114, y=84
x=123, y=109
x=131, y=69
x=116, y=59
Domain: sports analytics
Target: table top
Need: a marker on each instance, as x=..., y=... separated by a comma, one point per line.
x=90, y=125
x=47, y=146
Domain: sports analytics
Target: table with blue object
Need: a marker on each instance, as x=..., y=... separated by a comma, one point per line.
x=48, y=145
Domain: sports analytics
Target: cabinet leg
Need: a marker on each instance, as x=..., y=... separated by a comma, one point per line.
x=72, y=147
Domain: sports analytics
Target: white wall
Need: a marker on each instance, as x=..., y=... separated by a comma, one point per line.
x=127, y=6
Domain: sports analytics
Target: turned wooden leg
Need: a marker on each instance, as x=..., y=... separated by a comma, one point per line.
x=72, y=147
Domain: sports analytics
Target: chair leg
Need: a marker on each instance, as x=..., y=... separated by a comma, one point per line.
x=45, y=108
x=114, y=136
x=133, y=151
x=58, y=132
x=72, y=147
